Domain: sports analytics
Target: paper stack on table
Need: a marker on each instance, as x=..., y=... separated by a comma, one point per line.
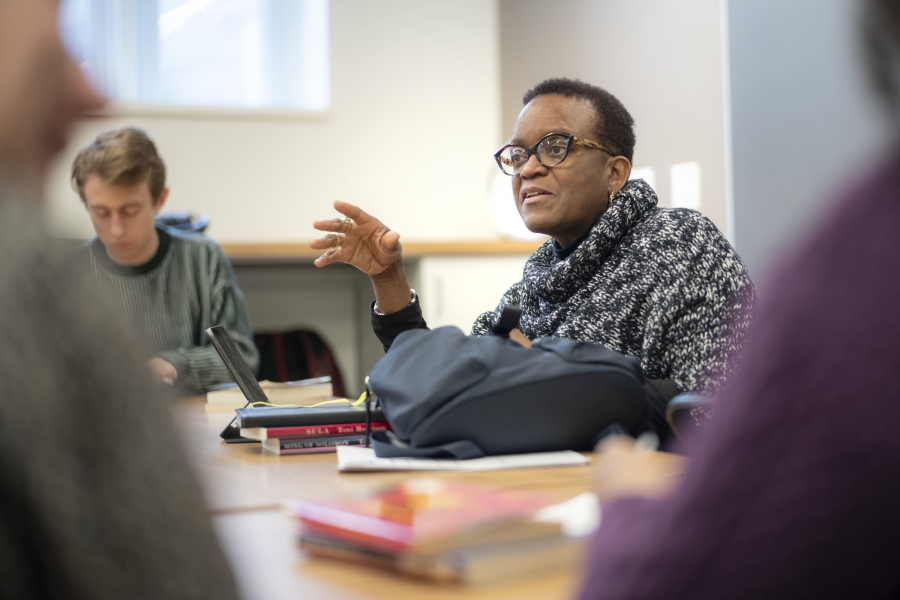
x=352, y=459
x=228, y=396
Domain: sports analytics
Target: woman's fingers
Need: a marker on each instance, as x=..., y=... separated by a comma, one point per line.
x=519, y=337
x=390, y=241
x=358, y=239
x=335, y=225
x=329, y=257
x=352, y=211
x=356, y=215
x=332, y=240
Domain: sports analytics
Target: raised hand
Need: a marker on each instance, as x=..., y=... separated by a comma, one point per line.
x=360, y=240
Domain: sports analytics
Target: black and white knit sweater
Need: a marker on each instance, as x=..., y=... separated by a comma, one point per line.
x=662, y=285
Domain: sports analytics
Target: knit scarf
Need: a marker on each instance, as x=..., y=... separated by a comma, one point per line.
x=551, y=289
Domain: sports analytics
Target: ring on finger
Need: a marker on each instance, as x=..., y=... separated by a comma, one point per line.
x=349, y=223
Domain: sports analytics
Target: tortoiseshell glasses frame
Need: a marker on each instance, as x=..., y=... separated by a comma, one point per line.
x=550, y=150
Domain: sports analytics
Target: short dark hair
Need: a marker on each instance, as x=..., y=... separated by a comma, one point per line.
x=614, y=126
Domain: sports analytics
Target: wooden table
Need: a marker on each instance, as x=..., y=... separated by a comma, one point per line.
x=245, y=488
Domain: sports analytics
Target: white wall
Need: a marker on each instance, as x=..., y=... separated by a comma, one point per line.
x=454, y=291
x=663, y=59
x=410, y=135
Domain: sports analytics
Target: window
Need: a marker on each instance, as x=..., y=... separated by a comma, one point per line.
x=222, y=53
x=686, y=185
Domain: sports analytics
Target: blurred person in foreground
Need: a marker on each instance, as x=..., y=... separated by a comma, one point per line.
x=96, y=498
x=793, y=490
x=170, y=285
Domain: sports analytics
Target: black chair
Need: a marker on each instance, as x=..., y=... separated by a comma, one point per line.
x=689, y=411
x=297, y=354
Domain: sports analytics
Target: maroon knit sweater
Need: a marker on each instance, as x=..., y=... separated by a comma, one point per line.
x=794, y=491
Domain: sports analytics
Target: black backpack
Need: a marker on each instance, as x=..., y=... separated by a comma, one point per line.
x=446, y=394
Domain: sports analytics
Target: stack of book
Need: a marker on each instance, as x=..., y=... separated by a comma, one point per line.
x=299, y=430
x=228, y=396
x=439, y=530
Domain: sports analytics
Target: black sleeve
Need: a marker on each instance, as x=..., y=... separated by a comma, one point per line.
x=659, y=392
x=388, y=327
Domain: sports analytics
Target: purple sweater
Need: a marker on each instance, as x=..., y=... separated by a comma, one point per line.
x=794, y=491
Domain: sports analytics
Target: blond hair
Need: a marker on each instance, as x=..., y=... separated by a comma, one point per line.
x=124, y=156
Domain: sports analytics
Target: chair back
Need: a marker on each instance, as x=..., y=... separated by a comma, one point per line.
x=689, y=411
x=297, y=354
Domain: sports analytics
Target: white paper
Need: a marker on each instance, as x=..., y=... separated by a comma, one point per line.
x=363, y=459
x=578, y=517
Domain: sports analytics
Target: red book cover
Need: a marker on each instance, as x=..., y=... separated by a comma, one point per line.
x=417, y=511
x=265, y=433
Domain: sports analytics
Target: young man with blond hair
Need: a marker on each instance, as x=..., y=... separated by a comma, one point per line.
x=170, y=285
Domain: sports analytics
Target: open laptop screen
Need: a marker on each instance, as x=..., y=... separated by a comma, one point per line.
x=242, y=374
x=239, y=370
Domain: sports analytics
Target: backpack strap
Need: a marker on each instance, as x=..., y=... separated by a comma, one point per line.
x=388, y=446
x=509, y=320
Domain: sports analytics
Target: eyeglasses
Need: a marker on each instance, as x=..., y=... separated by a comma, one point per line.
x=551, y=150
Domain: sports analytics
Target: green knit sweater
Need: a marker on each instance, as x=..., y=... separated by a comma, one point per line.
x=169, y=302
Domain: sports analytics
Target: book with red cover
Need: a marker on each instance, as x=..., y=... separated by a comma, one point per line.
x=265, y=433
x=307, y=445
x=426, y=515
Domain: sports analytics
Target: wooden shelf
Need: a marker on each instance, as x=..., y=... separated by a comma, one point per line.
x=294, y=251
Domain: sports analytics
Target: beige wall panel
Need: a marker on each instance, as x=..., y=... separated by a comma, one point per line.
x=661, y=58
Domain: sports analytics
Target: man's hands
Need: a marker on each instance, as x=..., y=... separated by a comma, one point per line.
x=623, y=468
x=364, y=242
x=162, y=370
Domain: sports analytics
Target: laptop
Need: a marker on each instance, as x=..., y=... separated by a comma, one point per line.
x=247, y=383
x=241, y=373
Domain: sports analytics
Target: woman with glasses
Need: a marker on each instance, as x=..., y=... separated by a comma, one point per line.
x=662, y=285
